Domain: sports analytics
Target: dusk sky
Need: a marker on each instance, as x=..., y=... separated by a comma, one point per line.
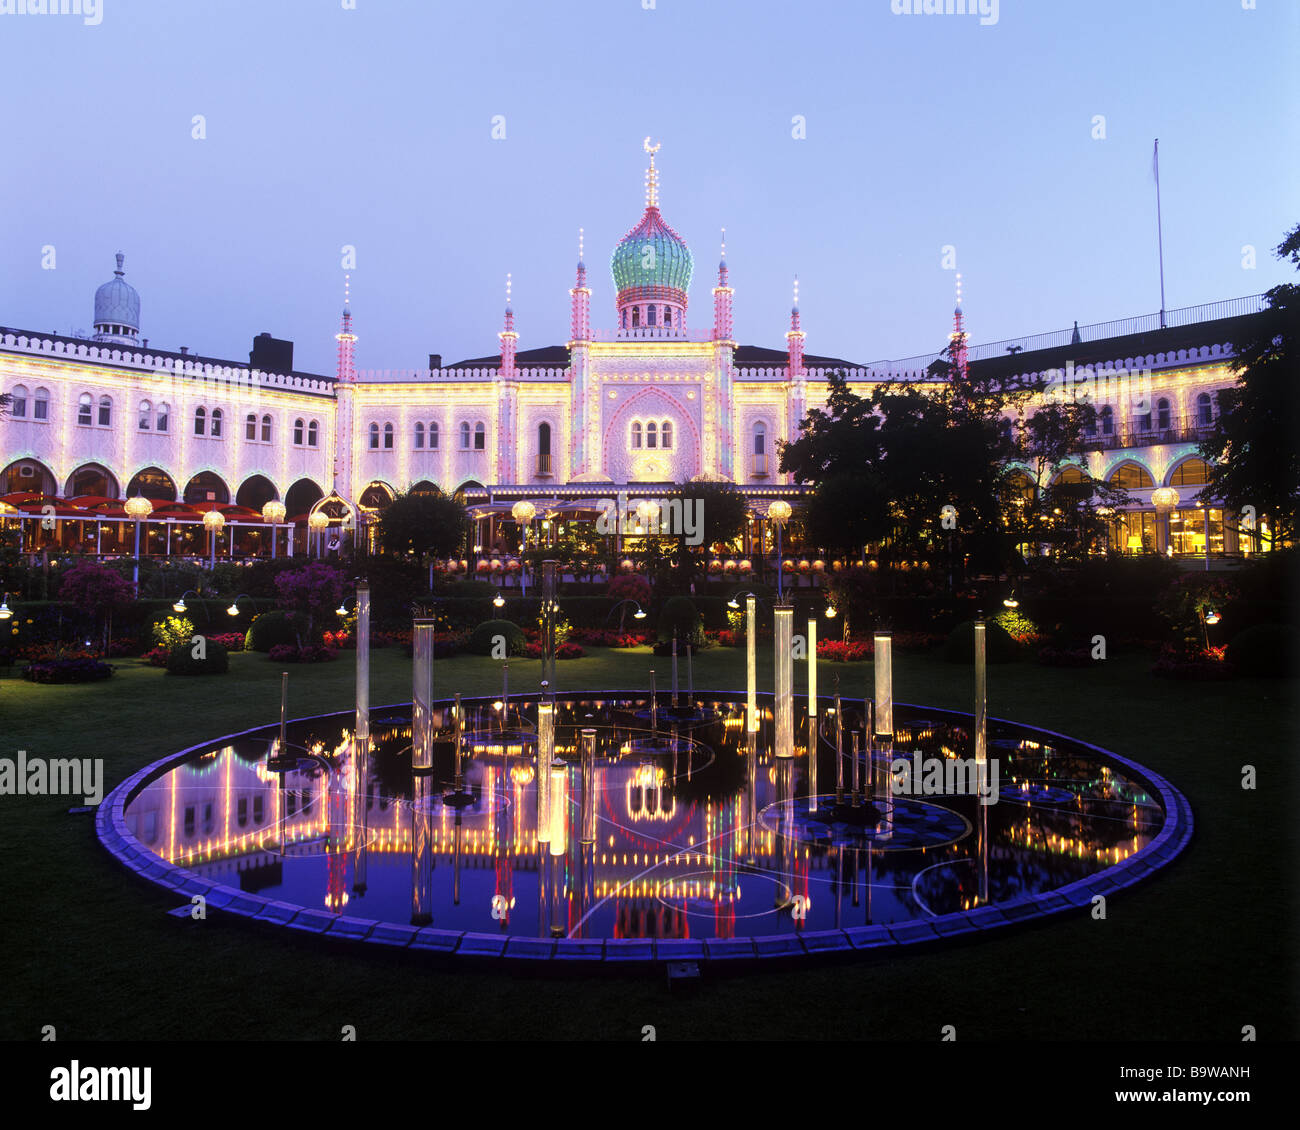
x=374, y=127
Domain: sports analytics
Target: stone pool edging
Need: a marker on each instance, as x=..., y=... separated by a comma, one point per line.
x=521, y=951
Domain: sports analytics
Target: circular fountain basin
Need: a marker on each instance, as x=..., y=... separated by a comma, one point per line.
x=685, y=842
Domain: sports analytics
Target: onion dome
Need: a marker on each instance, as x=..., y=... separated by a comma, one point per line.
x=651, y=262
x=117, y=309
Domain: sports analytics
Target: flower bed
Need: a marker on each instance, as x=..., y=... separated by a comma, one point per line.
x=79, y=670
x=1205, y=665
x=841, y=651
x=602, y=637
x=564, y=651
x=311, y=653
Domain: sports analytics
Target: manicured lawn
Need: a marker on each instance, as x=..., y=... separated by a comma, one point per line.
x=1196, y=953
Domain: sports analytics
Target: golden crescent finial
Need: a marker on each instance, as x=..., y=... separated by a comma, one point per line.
x=651, y=149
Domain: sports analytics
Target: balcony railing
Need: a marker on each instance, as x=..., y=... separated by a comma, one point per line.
x=544, y=465
x=1187, y=429
x=758, y=466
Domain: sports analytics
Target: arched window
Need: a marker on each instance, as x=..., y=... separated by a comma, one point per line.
x=1143, y=420
x=1190, y=473
x=668, y=316
x=1162, y=414
x=85, y=409
x=543, y=449
x=146, y=415
x=433, y=435
x=480, y=437
x=636, y=434
x=313, y=430
x=18, y=402
x=1204, y=410
x=297, y=432
x=636, y=317
x=41, y=404
x=1129, y=476
x=666, y=434
x=388, y=437
x=760, y=439
x=374, y=437
x=215, y=429
x=624, y=319
x=105, y=411
x=250, y=426
x=200, y=421
x=652, y=434
x=266, y=429
x=464, y=435
x=1107, y=418
x=419, y=436
x=650, y=316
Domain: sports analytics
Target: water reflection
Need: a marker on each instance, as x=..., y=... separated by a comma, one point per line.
x=697, y=830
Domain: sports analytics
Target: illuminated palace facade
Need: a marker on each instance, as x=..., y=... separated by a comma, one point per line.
x=654, y=399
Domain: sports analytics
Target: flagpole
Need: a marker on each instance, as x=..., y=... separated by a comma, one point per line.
x=1160, y=235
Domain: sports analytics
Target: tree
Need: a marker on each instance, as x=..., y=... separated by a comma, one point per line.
x=314, y=590
x=837, y=440
x=434, y=523
x=926, y=462
x=1252, y=451
x=847, y=511
x=715, y=512
x=97, y=589
x=1066, y=514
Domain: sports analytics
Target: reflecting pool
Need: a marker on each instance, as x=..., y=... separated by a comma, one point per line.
x=653, y=823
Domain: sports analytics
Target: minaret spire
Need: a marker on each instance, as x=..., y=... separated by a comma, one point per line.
x=958, y=339
x=795, y=336
x=722, y=294
x=652, y=175
x=508, y=337
x=346, y=370
x=580, y=300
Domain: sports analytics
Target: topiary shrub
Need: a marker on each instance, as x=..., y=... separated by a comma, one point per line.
x=483, y=638
x=999, y=647
x=1266, y=650
x=680, y=616
x=213, y=660
x=271, y=629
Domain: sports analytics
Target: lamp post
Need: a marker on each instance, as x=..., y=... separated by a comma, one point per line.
x=317, y=522
x=639, y=614
x=523, y=512
x=779, y=513
x=5, y=611
x=179, y=606
x=274, y=513
x=138, y=507
x=213, y=522
x=233, y=609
